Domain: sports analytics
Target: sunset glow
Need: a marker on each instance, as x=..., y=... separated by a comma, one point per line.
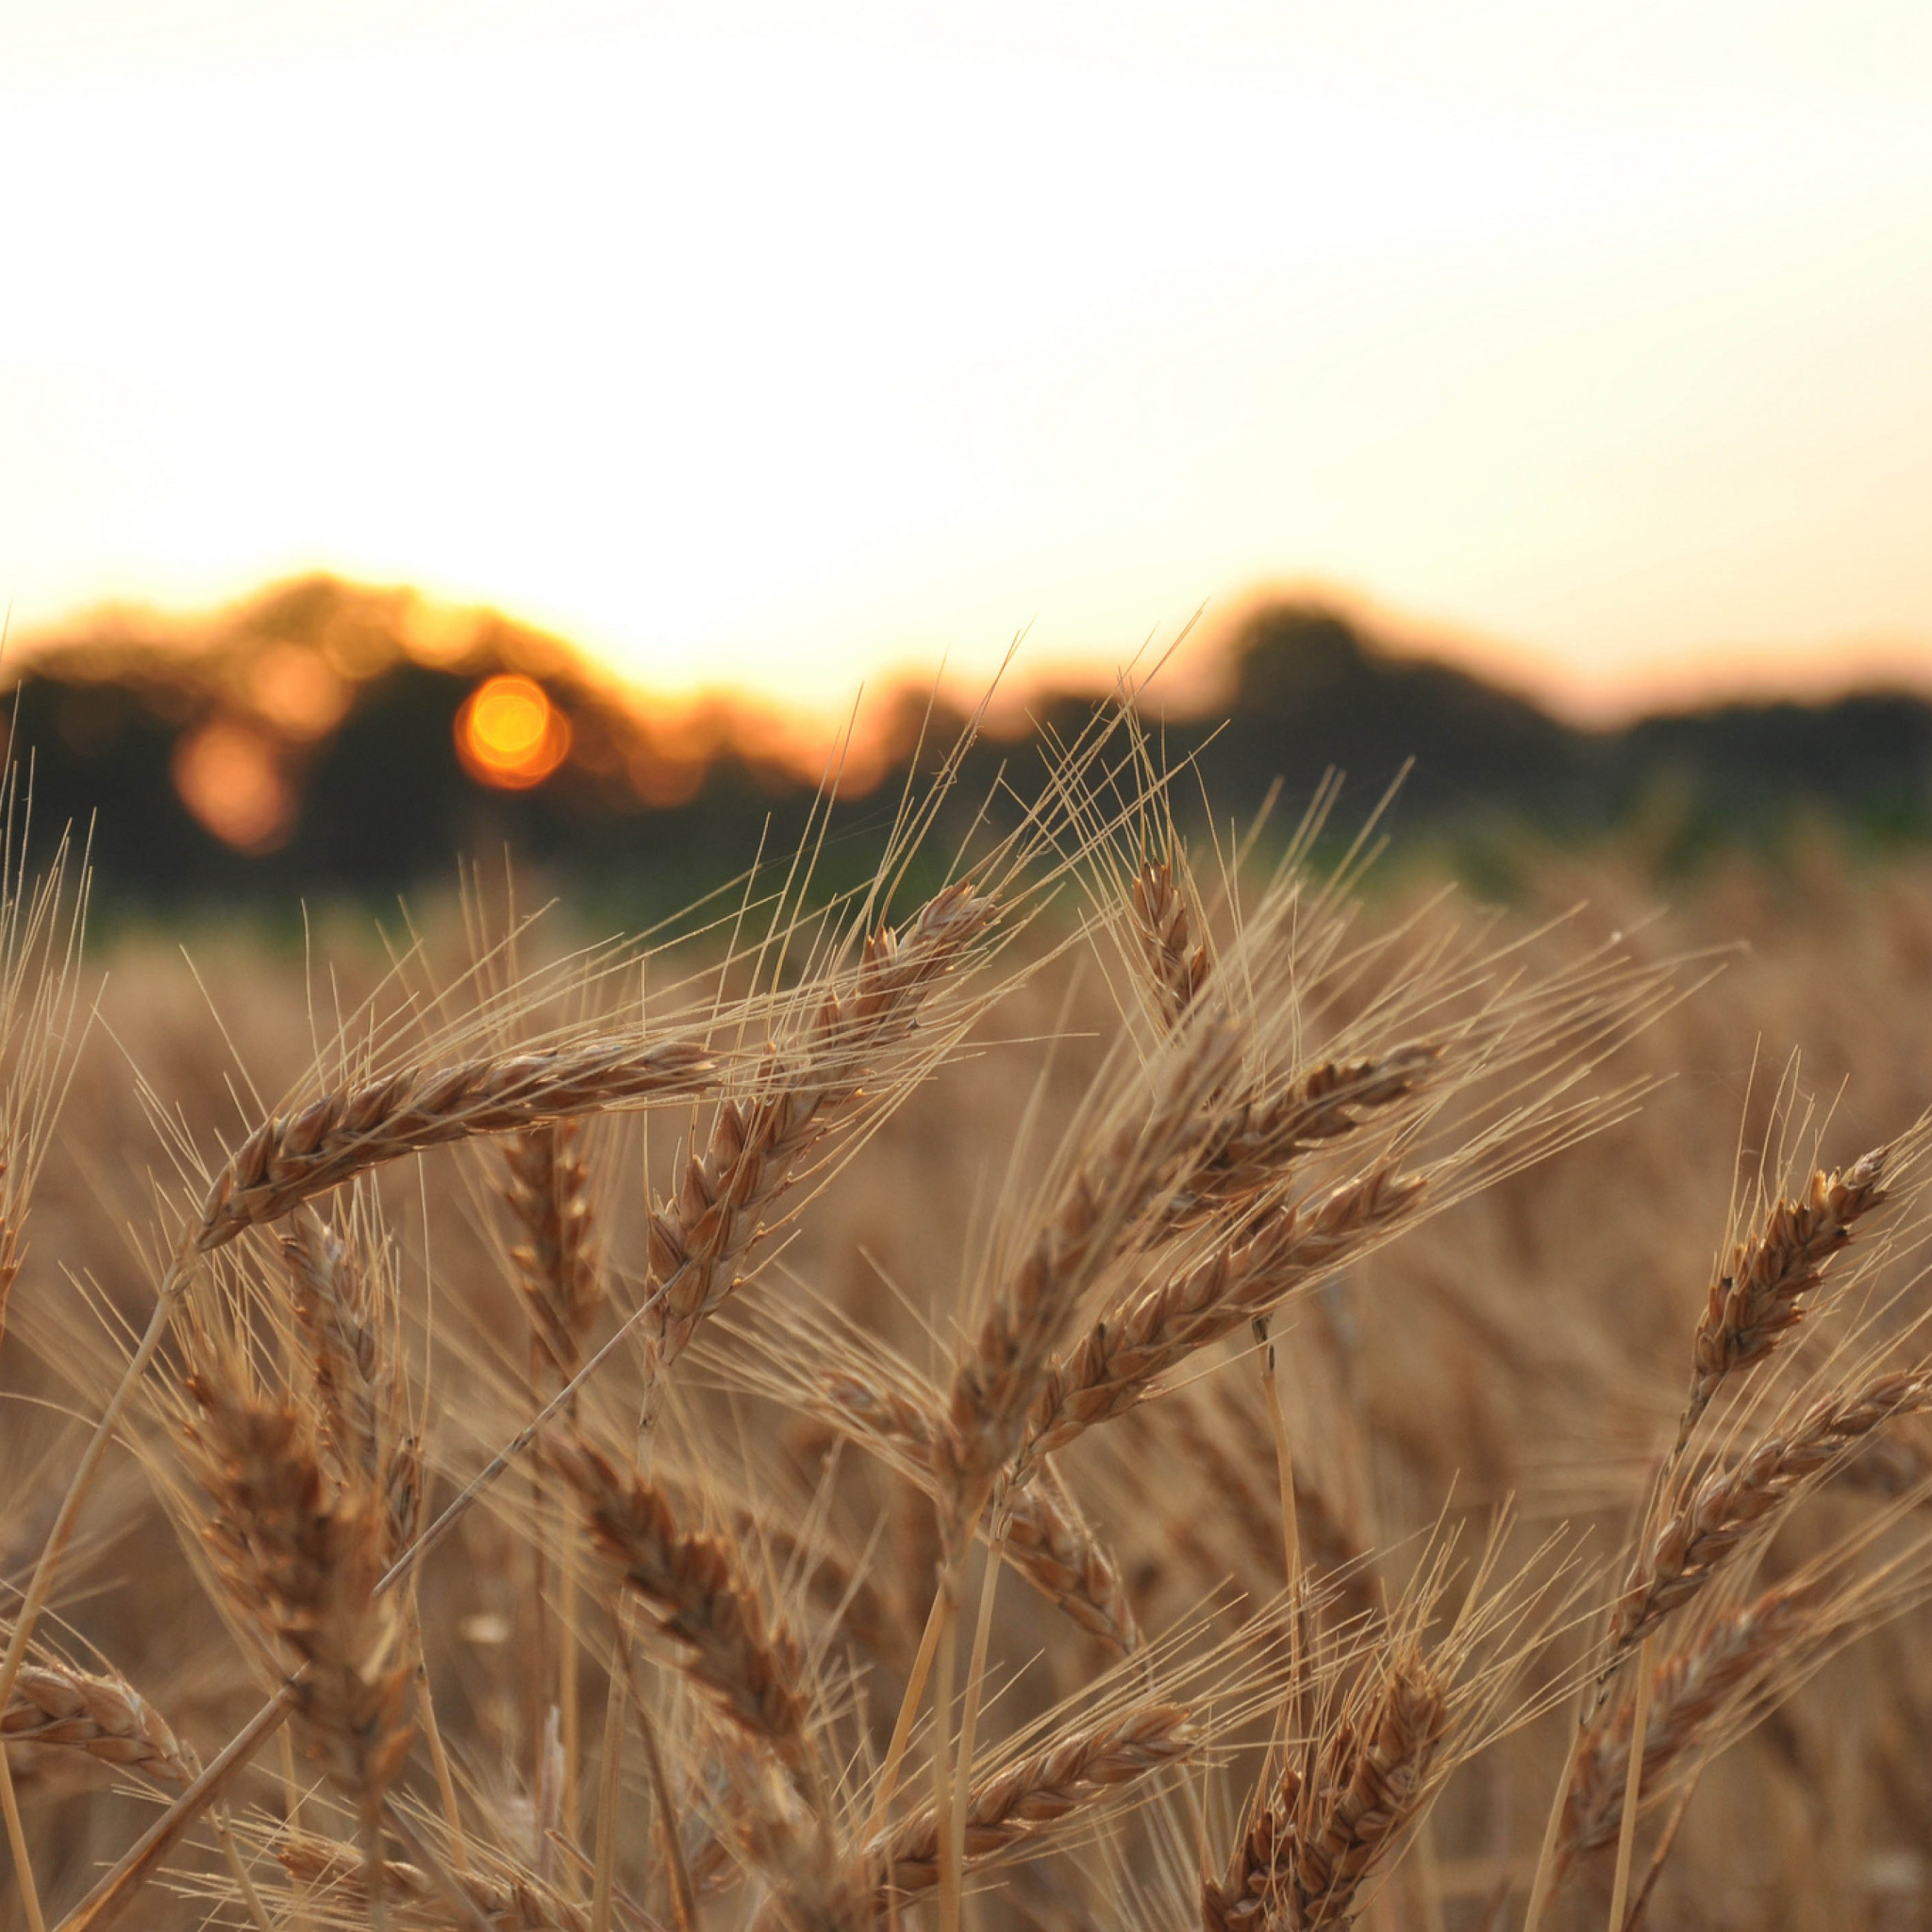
x=509, y=734
x=761, y=357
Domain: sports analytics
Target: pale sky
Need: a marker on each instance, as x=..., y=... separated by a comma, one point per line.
x=780, y=346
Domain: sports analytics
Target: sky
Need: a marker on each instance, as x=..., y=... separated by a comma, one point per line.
x=785, y=348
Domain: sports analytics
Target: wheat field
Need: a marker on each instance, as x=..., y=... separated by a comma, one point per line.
x=1111, y=1379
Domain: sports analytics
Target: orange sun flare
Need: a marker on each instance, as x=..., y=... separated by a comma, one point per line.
x=509, y=733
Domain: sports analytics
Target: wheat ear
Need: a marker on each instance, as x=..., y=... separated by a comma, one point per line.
x=1177, y=964
x=1705, y=1522
x=1753, y=1297
x=302, y=1558
x=1055, y=1552
x=1691, y=1691
x=751, y=1667
x=1119, y=1360
x=999, y=1376
x=1333, y=1817
x=289, y=1160
x=508, y=1900
x=102, y=1717
x=757, y=1145
x=547, y=1186
x=1019, y=1806
x=1258, y=1142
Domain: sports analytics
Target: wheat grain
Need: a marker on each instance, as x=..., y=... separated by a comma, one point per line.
x=102, y=1717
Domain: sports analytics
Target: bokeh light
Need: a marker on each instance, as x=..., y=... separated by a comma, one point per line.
x=509, y=735
x=229, y=778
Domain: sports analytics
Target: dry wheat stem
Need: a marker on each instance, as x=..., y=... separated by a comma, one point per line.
x=288, y=1160
x=1633, y=1783
x=1753, y=1298
x=1702, y=1524
x=1018, y=1806
x=56, y=1708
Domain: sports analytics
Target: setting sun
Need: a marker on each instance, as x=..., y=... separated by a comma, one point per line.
x=511, y=735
